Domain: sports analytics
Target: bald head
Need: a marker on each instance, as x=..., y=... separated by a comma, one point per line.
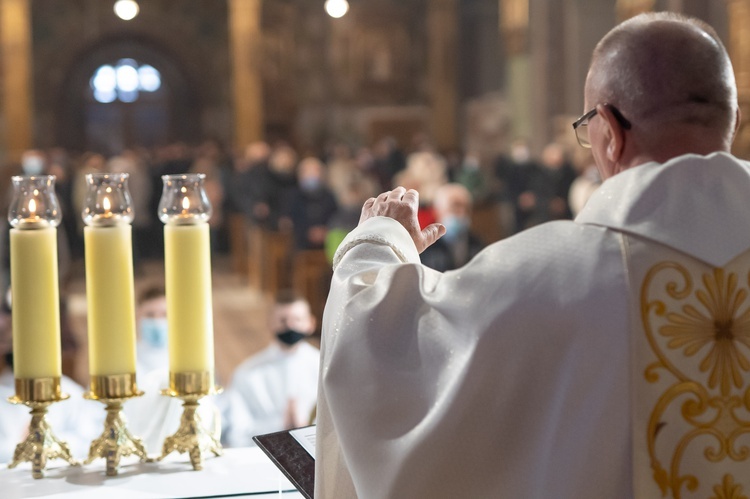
x=667, y=74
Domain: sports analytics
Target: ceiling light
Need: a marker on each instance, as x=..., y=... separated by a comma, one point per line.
x=336, y=8
x=126, y=9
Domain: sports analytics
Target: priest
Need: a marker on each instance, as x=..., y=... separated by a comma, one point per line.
x=603, y=357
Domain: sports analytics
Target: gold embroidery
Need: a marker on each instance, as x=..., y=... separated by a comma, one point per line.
x=714, y=336
x=728, y=490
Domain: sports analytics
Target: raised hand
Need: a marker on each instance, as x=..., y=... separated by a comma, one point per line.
x=402, y=205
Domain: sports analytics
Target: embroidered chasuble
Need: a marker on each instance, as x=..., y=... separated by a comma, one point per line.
x=604, y=357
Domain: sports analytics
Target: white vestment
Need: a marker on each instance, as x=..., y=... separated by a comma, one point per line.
x=528, y=373
x=261, y=389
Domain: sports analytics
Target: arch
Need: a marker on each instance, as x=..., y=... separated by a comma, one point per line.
x=181, y=99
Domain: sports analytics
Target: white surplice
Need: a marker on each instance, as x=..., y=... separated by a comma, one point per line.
x=262, y=388
x=528, y=372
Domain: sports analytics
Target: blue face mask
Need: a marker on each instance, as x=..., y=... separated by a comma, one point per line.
x=310, y=184
x=32, y=165
x=154, y=331
x=455, y=227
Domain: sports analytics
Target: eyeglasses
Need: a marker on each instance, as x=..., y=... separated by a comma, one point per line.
x=581, y=125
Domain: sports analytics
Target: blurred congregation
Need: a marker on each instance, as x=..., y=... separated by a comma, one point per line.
x=296, y=115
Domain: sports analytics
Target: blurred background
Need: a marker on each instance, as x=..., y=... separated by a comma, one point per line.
x=299, y=110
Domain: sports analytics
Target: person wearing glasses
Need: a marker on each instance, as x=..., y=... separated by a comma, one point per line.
x=605, y=357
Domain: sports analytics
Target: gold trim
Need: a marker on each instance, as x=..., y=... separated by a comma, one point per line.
x=711, y=334
x=728, y=489
x=38, y=390
x=113, y=386
x=191, y=383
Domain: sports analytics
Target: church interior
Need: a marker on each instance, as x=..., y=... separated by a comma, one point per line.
x=276, y=99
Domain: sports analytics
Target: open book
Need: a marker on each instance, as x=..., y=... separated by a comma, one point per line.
x=293, y=452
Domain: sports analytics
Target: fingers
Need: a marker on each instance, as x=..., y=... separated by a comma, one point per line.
x=396, y=194
x=430, y=234
x=411, y=197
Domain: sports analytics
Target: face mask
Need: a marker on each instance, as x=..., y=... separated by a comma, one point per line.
x=33, y=165
x=154, y=331
x=290, y=336
x=455, y=227
x=309, y=184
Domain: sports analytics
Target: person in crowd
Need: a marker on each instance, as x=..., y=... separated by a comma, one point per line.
x=214, y=188
x=585, y=184
x=452, y=206
x=425, y=172
x=140, y=187
x=276, y=388
x=309, y=205
x=358, y=189
x=601, y=357
x=388, y=161
x=557, y=174
x=249, y=182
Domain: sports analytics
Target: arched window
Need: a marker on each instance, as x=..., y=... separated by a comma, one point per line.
x=124, y=81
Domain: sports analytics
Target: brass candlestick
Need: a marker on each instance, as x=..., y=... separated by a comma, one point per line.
x=191, y=437
x=115, y=441
x=41, y=444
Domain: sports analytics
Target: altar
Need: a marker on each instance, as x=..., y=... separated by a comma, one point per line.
x=238, y=473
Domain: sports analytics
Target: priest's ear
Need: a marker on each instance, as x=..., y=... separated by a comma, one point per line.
x=613, y=133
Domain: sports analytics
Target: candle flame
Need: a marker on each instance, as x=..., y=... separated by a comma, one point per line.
x=32, y=206
x=185, y=203
x=106, y=204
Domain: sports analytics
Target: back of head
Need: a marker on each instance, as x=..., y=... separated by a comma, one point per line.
x=665, y=72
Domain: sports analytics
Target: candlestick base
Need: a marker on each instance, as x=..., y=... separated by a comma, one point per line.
x=192, y=436
x=116, y=441
x=41, y=444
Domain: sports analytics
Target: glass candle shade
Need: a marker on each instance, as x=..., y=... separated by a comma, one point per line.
x=34, y=204
x=108, y=200
x=184, y=200
x=34, y=213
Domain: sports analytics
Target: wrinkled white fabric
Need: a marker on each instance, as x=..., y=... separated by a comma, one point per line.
x=509, y=377
x=262, y=386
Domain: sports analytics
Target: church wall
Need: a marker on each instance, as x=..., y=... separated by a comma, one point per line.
x=191, y=33
x=330, y=78
x=352, y=78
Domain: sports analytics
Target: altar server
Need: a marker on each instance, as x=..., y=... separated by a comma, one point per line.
x=276, y=389
x=606, y=357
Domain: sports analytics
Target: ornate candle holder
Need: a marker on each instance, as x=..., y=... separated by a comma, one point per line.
x=41, y=444
x=115, y=441
x=192, y=436
x=34, y=213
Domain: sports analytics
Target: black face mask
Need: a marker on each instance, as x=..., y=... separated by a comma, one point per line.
x=290, y=336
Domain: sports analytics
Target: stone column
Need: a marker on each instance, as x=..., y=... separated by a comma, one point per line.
x=738, y=14
x=514, y=26
x=442, y=19
x=630, y=8
x=16, y=77
x=247, y=84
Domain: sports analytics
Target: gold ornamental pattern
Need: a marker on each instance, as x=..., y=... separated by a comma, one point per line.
x=700, y=335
